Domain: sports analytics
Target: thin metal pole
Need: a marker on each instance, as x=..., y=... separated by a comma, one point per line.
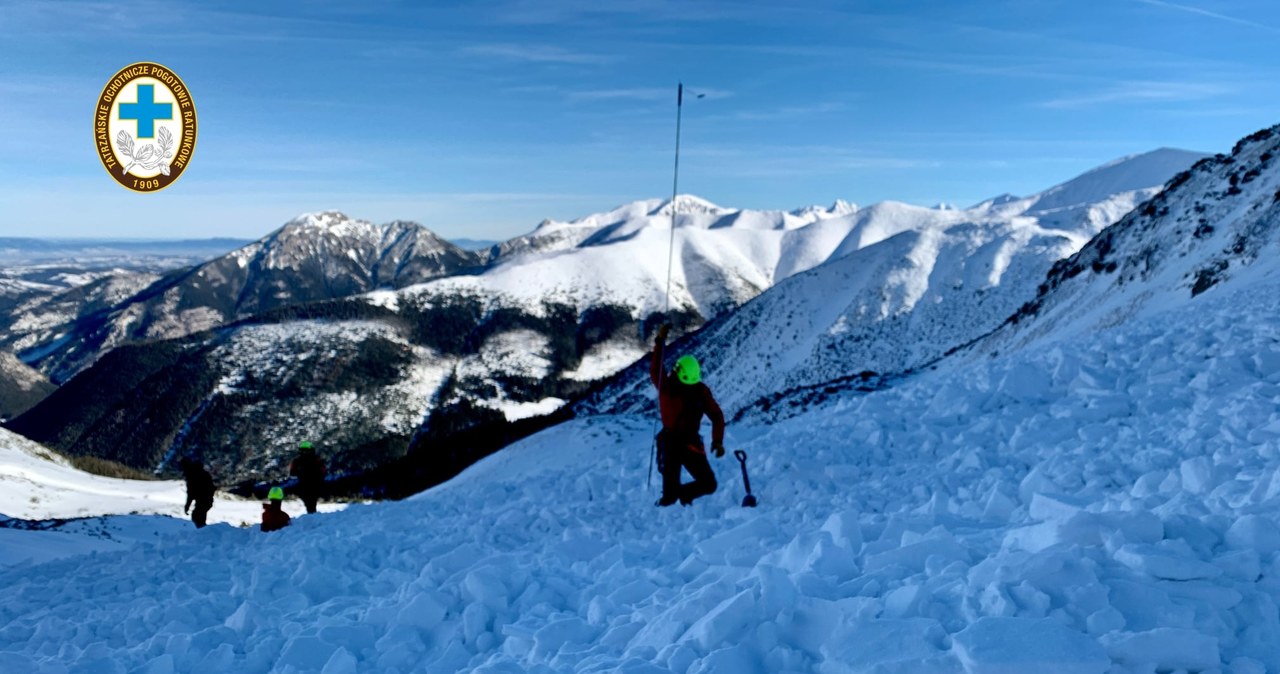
x=671, y=248
x=675, y=189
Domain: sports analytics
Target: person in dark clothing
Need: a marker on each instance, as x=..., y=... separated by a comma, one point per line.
x=683, y=400
x=310, y=471
x=200, y=489
x=273, y=517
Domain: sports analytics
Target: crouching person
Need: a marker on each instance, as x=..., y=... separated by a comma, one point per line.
x=273, y=517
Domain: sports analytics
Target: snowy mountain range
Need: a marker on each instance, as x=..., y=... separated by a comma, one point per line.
x=36, y=268
x=568, y=304
x=314, y=257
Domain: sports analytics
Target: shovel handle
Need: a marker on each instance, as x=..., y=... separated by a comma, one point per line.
x=741, y=456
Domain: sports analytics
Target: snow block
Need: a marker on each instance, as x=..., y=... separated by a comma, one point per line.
x=486, y=586
x=915, y=555
x=307, y=654
x=844, y=529
x=1164, y=649
x=737, y=659
x=1020, y=645
x=867, y=646
x=998, y=506
x=423, y=612
x=1240, y=564
x=1055, y=506
x=1035, y=482
x=904, y=601
x=1172, y=560
x=161, y=664
x=341, y=662
x=815, y=551
x=243, y=620
x=1254, y=532
x=1025, y=382
x=1197, y=474
x=716, y=548
x=777, y=591
x=726, y=623
x=808, y=627
x=1243, y=665
x=549, y=639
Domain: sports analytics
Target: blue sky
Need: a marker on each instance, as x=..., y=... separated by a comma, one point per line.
x=480, y=119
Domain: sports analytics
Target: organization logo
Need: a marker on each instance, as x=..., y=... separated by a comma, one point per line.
x=144, y=127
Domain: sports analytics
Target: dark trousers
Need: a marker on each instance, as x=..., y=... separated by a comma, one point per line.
x=674, y=454
x=200, y=514
x=309, y=498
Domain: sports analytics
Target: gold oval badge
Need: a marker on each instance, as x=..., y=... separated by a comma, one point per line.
x=145, y=127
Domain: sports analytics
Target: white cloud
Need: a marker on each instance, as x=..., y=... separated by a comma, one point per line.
x=1142, y=92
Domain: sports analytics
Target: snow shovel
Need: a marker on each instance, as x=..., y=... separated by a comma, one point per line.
x=748, y=501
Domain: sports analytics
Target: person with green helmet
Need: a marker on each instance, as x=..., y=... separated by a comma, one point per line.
x=273, y=516
x=200, y=491
x=310, y=471
x=683, y=399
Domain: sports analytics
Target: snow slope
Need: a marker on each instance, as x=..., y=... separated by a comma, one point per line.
x=48, y=509
x=21, y=386
x=1217, y=221
x=1106, y=504
x=906, y=285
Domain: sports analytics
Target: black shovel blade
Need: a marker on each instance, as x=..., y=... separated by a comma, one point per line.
x=749, y=501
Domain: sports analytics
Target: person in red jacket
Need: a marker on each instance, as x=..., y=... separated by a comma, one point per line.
x=683, y=400
x=310, y=470
x=273, y=517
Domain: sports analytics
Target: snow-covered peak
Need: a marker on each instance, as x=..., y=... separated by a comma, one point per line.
x=1000, y=200
x=842, y=207
x=815, y=212
x=332, y=222
x=1134, y=172
x=688, y=203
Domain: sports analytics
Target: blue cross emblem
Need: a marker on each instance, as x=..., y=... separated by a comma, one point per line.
x=146, y=111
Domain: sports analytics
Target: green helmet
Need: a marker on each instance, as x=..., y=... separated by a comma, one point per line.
x=306, y=446
x=276, y=494
x=687, y=370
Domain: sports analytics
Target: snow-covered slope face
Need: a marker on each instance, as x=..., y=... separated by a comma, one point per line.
x=241, y=399
x=904, y=286
x=1107, y=504
x=1215, y=223
x=21, y=386
x=50, y=510
x=319, y=256
x=37, y=484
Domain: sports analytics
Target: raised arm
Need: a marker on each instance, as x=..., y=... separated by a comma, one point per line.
x=656, y=371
